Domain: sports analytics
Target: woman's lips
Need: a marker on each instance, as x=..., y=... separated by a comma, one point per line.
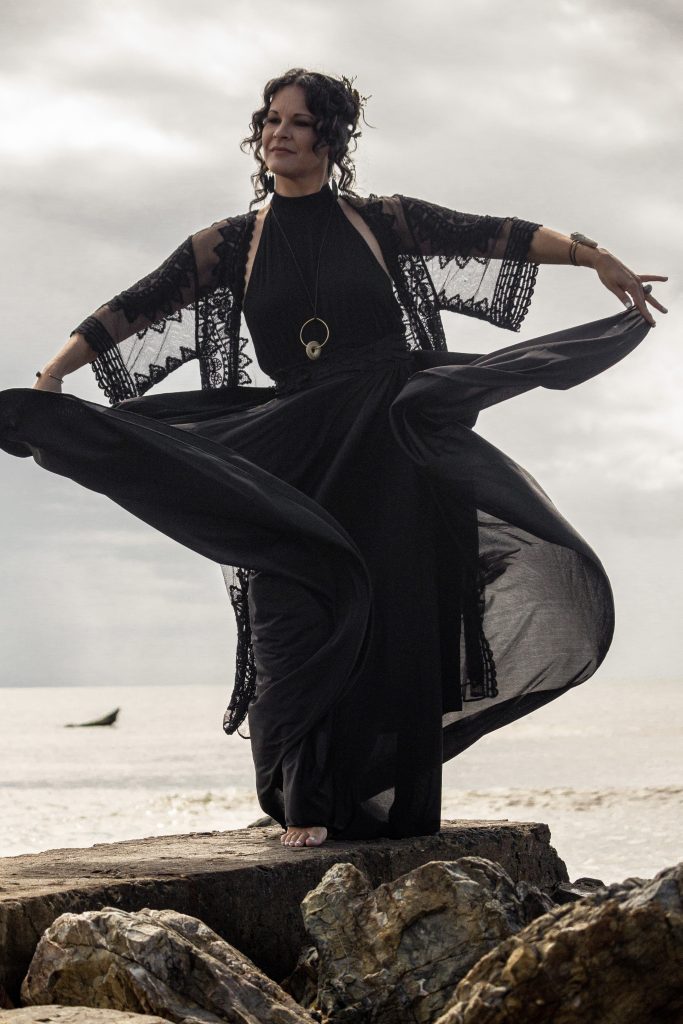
x=279, y=149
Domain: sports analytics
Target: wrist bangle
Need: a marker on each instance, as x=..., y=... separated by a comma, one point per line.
x=60, y=379
x=579, y=239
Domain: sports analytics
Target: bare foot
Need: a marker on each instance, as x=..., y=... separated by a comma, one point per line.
x=298, y=836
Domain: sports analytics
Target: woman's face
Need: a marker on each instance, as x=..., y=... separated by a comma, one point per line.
x=288, y=137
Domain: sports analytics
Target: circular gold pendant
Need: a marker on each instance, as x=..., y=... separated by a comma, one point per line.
x=313, y=348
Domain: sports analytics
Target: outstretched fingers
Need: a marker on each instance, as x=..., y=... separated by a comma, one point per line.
x=640, y=294
x=647, y=289
x=637, y=292
x=629, y=287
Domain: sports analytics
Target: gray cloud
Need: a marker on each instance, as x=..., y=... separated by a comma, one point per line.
x=29, y=27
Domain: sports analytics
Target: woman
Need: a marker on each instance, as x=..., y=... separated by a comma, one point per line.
x=401, y=587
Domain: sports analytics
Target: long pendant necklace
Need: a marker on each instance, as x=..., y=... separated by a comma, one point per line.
x=313, y=348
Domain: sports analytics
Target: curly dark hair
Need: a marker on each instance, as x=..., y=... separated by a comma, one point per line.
x=337, y=107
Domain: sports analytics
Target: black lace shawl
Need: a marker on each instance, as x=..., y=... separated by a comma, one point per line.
x=191, y=308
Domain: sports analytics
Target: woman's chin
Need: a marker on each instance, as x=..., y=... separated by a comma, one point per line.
x=284, y=172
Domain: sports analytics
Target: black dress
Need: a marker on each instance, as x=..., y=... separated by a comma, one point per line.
x=410, y=587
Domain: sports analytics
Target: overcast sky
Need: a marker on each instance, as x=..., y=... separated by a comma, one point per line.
x=121, y=124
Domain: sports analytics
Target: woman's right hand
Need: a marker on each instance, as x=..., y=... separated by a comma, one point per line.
x=47, y=383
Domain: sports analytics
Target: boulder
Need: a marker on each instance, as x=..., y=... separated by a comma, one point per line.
x=244, y=884
x=396, y=952
x=614, y=957
x=302, y=983
x=154, y=962
x=570, y=892
x=75, y=1015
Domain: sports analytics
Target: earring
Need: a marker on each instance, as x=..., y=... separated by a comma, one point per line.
x=335, y=188
x=268, y=181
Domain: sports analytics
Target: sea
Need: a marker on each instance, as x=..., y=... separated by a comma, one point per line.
x=601, y=766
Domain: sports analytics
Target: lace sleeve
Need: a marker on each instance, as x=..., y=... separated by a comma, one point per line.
x=477, y=263
x=147, y=331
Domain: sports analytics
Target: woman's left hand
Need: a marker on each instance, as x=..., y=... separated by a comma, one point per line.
x=616, y=276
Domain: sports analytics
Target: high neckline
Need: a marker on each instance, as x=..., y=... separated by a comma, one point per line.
x=314, y=200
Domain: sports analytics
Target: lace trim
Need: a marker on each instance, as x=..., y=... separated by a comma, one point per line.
x=161, y=292
x=113, y=377
x=95, y=333
x=460, y=236
x=459, y=247
x=115, y=380
x=223, y=363
x=482, y=679
x=220, y=347
x=413, y=286
x=517, y=278
x=245, y=668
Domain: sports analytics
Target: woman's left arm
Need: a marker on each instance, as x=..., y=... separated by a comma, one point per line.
x=548, y=246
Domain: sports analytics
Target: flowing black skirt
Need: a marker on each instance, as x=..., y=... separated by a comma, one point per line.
x=355, y=493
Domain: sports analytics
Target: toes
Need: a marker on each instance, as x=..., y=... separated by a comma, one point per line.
x=304, y=837
x=293, y=839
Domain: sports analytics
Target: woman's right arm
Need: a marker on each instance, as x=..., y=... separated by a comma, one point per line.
x=158, y=295
x=76, y=352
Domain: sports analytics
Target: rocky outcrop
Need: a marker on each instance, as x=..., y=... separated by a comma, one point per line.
x=244, y=884
x=615, y=957
x=397, y=951
x=153, y=962
x=5, y=1001
x=454, y=942
x=75, y=1015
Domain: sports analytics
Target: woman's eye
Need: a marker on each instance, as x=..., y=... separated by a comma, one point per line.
x=297, y=124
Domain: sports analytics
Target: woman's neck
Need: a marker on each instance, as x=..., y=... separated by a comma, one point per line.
x=294, y=187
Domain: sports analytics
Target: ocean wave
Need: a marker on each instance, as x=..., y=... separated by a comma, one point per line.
x=560, y=798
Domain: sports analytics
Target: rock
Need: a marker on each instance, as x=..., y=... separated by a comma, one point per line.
x=265, y=822
x=155, y=962
x=570, y=892
x=75, y=1015
x=302, y=983
x=5, y=1001
x=396, y=952
x=614, y=957
x=589, y=883
x=243, y=884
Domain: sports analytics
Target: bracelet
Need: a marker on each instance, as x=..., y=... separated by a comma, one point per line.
x=60, y=379
x=579, y=239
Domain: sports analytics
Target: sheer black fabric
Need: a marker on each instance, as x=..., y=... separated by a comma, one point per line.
x=403, y=587
x=438, y=259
